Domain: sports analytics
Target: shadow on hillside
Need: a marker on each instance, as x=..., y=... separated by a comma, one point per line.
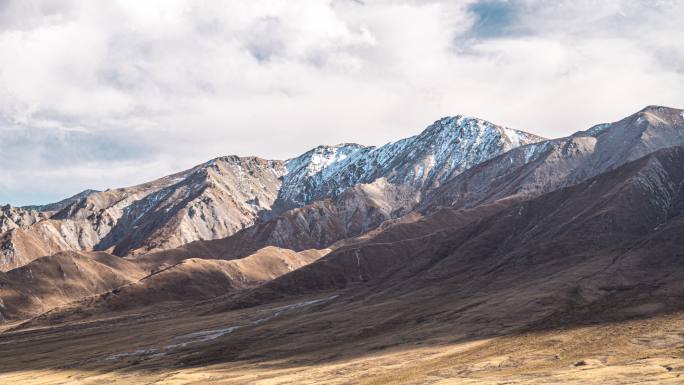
x=326, y=329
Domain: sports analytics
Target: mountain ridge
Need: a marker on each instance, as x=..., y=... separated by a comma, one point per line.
x=541, y=167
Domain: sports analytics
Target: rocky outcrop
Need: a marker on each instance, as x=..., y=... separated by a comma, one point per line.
x=17, y=217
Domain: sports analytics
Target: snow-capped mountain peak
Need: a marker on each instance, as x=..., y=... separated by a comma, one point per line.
x=446, y=148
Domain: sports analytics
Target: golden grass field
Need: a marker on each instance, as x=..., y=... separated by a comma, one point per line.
x=169, y=346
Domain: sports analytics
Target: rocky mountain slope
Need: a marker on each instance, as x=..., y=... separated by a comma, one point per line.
x=17, y=217
x=534, y=169
x=219, y=198
x=212, y=200
x=57, y=206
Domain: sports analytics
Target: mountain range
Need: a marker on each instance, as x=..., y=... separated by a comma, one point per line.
x=222, y=196
x=471, y=252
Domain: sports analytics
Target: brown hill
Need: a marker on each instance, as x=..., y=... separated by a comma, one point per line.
x=198, y=279
x=61, y=278
x=193, y=279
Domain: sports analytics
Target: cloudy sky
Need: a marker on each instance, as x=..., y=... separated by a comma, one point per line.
x=98, y=94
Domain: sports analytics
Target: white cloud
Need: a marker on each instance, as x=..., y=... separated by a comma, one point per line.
x=103, y=94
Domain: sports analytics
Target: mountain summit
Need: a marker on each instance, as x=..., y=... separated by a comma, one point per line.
x=424, y=161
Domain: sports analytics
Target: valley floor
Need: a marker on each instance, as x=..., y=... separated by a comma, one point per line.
x=184, y=348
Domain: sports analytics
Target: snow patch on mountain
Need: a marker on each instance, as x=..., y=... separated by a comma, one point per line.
x=597, y=129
